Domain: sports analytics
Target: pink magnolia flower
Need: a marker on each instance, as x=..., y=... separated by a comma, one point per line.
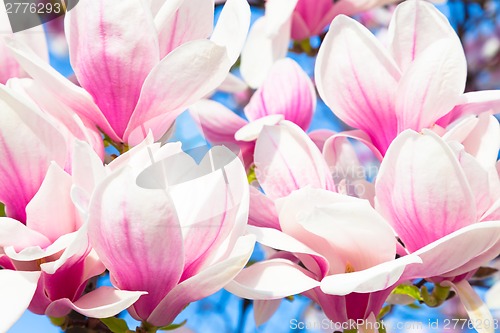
x=170, y=227
x=139, y=72
x=48, y=261
x=420, y=79
x=34, y=37
x=444, y=207
x=333, y=248
x=287, y=93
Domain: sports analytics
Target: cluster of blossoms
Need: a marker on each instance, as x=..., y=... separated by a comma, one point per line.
x=171, y=230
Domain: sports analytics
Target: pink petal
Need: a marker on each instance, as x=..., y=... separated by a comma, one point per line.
x=415, y=25
x=345, y=230
x=287, y=91
x=483, y=142
x=76, y=98
x=264, y=310
x=261, y=51
x=278, y=13
x=475, y=102
x=14, y=233
x=28, y=142
x=179, y=22
x=17, y=289
x=319, y=137
x=122, y=36
x=251, y=131
x=262, y=212
x=423, y=204
x=280, y=241
x=286, y=160
x=218, y=124
x=359, y=87
x=311, y=16
x=232, y=28
x=271, y=279
x=182, y=78
x=203, y=284
x=460, y=252
x=431, y=86
x=372, y=279
x=53, y=196
x=127, y=246
x=103, y=302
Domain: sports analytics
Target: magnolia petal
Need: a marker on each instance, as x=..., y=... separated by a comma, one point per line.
x=373, y=279
x=35, y=252
x=178, y=22
x=261, y=51
x=431, y=86
x=53, y=196
x=262, y=212
x=423, y=204
x=459, y=252
x=29, y=141
x=264, y=310
x=183, y=77
x=415, y=25
x=217, y=123
x=232, y=28
x=346, y=230
x=17, y=289
x=271, y=279
x=483, y=142
x=15, y=233
x=251, y=131
x=127, y=246
x=478, y=312
x=286, y=160
x=203, y=284
x=278, y=240
x=75, y=97
x=122, y=36
x=475, y=102
x=103, y=302
x=359, y=87
x=287, y=90
x=278, y=13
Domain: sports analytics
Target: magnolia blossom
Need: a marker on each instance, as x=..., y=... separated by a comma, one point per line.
x=444, y=207
x=149, y=69
x=420, y=79
x=34, y=37
x=287, y=93
x=335, y=249
x=163, y=225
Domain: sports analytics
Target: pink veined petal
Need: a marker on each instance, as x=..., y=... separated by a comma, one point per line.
x=203, y=284
x=460, y=252
x=423, y=204
x=28, y=142
x=103, y=302
x=14, y=233
x=300, y=30
x=475, y=102
x=17, y=289
x=264, y=310
x=127, y=246
x=431, y=86
x=372, y=279
x=261, y=51
x=272, y=279
x=78, y=99
x=286, y=160
x=359, y=87
x=178, y=22
x=311, y=17
x=113, y=47
x=262, y=212
x=275, y=239
x=483, y=142
x=415, y=25
x=251, y=131
x=287, y=91
x=478, y=312
x=53, y=196
x=351, y=7
x=217, y=123
x=182, y=78
x=319, y=137
x=345, y=230
x=232, y=28
x=354, y=134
